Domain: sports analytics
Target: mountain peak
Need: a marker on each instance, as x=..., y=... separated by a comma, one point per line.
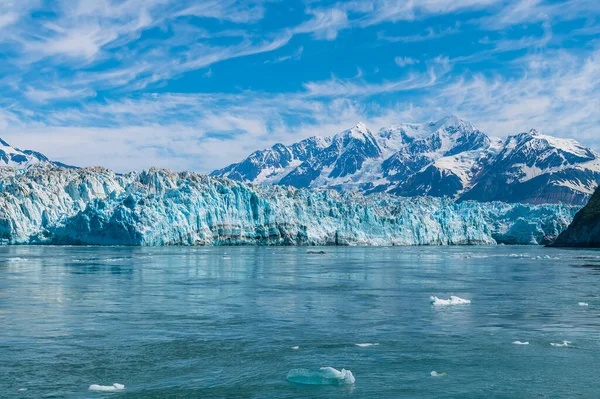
x=361, y=127
x=448, y=158
x=12, y=156
x=359, y=132
x=450, y=121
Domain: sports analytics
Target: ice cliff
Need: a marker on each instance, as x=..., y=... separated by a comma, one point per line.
x=47, y=204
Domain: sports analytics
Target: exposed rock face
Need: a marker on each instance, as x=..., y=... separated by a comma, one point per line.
x=585, y=229
x=46, y=204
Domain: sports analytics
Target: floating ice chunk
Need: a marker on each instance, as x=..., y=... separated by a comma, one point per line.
x=107, y=388
x=583, y=304
x=367, y=345
x=520, y=343
x=564, y=343
x=295, y=348
x=454, y=300
x=436, y=374
x=323, y=376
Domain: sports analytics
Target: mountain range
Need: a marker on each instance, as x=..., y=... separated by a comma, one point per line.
x=12, y=156
x=449, y=158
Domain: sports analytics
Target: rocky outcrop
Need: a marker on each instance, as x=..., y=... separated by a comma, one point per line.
x=585, y=229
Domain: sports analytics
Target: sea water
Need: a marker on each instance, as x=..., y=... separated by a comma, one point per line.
x=218, y=322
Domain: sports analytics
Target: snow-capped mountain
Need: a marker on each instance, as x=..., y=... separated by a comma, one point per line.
x=11, y=156
x=448, y=158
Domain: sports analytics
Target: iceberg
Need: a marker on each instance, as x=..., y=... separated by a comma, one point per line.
x=454, y=300
x=563, y=344
x=107, y=388
x=436, y=374
x=520, y=343
x=322, y=376
x=48, y=204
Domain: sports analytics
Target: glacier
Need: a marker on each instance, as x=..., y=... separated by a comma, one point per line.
x=49, y=204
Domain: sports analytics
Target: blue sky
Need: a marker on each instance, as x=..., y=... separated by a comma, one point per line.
x=197, y=85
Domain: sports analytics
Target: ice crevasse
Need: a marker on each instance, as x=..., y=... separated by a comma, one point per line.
x=48, y=204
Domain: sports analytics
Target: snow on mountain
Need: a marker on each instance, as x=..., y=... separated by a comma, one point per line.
x=11, y=156
x=537, y=168
x=46, y=204
x=448, y=158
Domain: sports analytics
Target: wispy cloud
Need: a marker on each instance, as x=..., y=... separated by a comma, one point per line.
x=536, y=11
x=429, y=34
x=325, y=23
x=107, y=82
x=404, y=61
x=57, y=93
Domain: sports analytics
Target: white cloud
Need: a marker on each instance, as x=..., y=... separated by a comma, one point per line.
x=7, y=19
x=556, y=91
x=325, y=23
x=430, y=34
x=536, y=11
x=56, y=93
x=404, y=61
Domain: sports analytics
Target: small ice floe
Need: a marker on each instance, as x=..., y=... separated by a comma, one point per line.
x=583, y=304
x=547, y=257
x=520, y=343
x=366, y=345
x=295, y=348
x=107, y=388
x=436, y=374
x=322, y=376
x=454, y=300
x=564, y=343
x=519, y=256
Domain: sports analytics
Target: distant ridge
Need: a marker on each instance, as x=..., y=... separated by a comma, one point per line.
x=449, y=158
x=12, y=156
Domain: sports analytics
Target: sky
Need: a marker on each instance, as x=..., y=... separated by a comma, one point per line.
x=197, y=85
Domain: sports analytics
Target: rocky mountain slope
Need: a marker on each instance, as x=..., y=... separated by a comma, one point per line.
x=46, y=204
x=14, y=157
x=449, y=158
x=11, y=156
x=585, y=229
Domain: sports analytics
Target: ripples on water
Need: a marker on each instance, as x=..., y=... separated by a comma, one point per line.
x=232, y=322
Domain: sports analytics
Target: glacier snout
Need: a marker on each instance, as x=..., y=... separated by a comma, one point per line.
x=52, y=205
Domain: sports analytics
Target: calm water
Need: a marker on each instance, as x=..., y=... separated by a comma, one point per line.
x=221, y=322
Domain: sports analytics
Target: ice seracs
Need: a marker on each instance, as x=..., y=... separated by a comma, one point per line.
x=47, y=204
x=449, y=158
